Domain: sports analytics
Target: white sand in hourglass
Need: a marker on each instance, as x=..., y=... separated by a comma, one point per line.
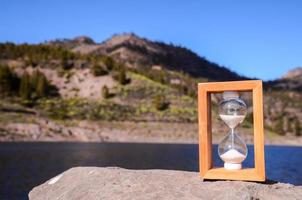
x=232, y=120
x=233, y=156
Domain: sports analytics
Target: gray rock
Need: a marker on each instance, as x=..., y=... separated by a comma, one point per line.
x=116, y=183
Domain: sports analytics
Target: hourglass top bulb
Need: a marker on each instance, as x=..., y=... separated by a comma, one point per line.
x=232, y=110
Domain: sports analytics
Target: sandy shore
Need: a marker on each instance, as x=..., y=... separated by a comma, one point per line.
x=121, y=131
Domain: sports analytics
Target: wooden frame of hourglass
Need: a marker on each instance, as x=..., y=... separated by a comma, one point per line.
x=206, y=168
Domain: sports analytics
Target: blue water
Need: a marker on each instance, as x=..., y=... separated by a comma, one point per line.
x=25, y=165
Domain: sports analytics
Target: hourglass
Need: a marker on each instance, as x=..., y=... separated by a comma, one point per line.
x=232, y=149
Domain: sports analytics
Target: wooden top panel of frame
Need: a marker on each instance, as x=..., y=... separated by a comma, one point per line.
x=230, y=85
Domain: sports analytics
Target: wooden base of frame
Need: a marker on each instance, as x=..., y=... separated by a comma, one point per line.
x=207, y=171
x=220, y=173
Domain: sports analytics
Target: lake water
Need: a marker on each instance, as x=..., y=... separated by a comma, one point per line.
x=25, y=165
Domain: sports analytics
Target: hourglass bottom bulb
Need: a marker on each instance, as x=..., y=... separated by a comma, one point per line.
x=232, y=159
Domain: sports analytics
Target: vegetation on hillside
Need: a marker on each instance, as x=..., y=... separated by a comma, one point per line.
x=26, y=87
x=9, y=82
x=105, y=92
x=146, y=92
x=35, y=53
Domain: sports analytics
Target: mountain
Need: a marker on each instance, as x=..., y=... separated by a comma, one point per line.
x=283, y=106
x=71, y=43
x=292, y=81
x=127, y=78
x=295, y=73
x=134, y=51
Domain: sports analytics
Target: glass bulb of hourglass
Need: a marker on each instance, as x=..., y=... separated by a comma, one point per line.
x=232, y=149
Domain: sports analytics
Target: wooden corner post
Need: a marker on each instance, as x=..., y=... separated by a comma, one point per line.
x=206, y=168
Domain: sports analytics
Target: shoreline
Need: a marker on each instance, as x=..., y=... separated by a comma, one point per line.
x=126, y=132
x=135, y=142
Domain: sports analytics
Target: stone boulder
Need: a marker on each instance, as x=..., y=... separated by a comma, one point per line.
x=116, y=183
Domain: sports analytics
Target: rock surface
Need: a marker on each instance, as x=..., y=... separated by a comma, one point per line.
x=117, y=183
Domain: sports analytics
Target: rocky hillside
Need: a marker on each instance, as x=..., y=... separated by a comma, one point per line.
x=125, y=78
x=134, y=51
x=71, y=43
x=290, y=81
x=294, y=74
x=283, y=106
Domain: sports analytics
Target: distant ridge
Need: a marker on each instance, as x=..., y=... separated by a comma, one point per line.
x=135, y=51
x=292, y=80
x=71, y=43
x=294, y=73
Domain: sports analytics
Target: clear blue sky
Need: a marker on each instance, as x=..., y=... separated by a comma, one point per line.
x=257, y=38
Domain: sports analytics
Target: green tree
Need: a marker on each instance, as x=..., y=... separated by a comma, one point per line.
x=6, y=80
x=121, y=78
x=29, y=61
x=298, y=131
x=34, y=79
x=105, y=92
x=192, y=93
x=39, y=84
x=98, y=70
x=160, y=103
x=108, y=61
x=289, y=127
x=42, y=86
x=65, y=57
x=25, y=87
x=278, y=128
